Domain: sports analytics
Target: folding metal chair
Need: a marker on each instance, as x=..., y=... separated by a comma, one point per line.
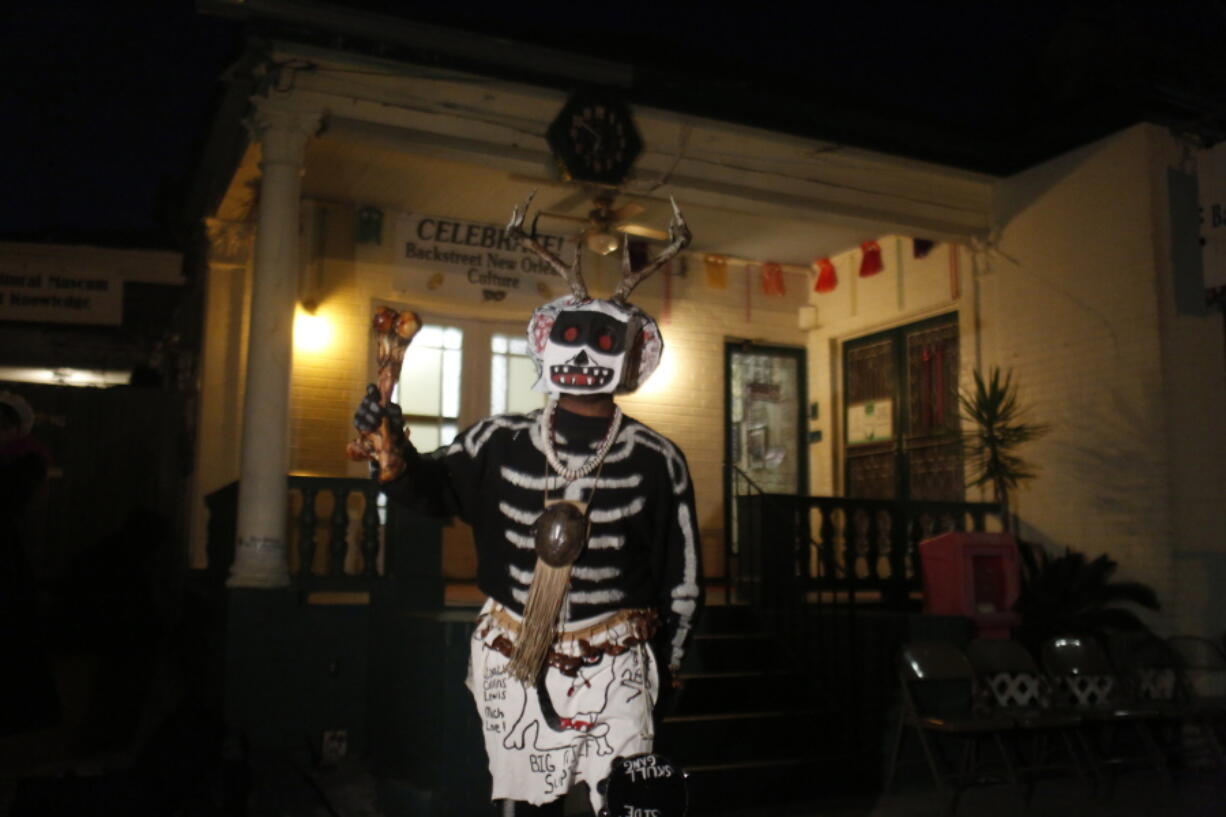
x=937, y=689
x=1204, y=666
x=1155, y=677
x=1202, y=678
x=1084, y=679
x=1010, y=680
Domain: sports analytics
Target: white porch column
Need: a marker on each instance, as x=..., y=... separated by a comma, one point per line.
x=260, y=554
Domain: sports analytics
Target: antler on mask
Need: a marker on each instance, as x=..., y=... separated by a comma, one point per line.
x=679, y=238
x=572, y=275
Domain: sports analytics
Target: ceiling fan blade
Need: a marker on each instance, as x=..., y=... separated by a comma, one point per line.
x=641, y=231
x=564, y=216
x=627, y=210
x=570, y=202
x=548, y=178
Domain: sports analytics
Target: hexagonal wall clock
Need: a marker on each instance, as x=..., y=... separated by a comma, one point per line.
x=594, y=138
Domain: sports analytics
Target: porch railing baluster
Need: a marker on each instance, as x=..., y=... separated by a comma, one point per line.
x=860, y=545
x=339, y=544
x=307, y=520
x=871, y=550
x=916, y=534
x=829, y=558
x=370, y=531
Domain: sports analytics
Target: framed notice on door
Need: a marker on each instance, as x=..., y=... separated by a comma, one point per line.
x=870, y=422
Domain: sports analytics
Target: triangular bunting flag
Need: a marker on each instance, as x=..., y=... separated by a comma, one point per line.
x=870, y=263
x=772, y=279
x=717, y=271
x=827, y=278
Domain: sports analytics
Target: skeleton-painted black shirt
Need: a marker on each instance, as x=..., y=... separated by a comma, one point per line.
x=643, y=551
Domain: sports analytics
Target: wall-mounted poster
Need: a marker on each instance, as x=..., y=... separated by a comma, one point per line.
x=870, y=422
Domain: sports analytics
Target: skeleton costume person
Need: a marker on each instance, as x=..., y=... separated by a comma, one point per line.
x=587, y=546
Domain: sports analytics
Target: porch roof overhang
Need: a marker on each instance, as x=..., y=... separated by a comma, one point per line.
x=998, y=92
x=763, y=194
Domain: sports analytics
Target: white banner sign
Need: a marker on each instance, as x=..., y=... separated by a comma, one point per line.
x=1211, y=182
x=469, y=260
x=33, y=290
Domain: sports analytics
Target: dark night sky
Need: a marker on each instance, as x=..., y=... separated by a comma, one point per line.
x=108, y=102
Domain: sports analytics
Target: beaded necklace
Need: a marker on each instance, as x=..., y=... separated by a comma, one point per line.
x=588, y=465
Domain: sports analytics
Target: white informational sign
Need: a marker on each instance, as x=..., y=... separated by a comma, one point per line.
x=1211, y=183
x=870, y=422
x=33, y=290
x=469, y=260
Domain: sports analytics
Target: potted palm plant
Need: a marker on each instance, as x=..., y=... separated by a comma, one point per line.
x=997, y=430
x=1072, y=594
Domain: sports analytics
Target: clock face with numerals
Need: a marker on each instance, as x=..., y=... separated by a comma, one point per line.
x=594, y=139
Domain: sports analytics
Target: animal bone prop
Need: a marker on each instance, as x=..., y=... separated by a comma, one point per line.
x=394, y=331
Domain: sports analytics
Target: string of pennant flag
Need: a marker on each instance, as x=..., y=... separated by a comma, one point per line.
x=826, y=279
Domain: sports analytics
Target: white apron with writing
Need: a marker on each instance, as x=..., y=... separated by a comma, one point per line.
x=541, y=742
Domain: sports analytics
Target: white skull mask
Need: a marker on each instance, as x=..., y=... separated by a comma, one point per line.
x=592, y=347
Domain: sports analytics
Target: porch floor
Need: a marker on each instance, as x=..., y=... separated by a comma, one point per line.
x=349, y=791
x=1199, y=794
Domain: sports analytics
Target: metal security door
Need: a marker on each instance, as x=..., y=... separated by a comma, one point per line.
x=901, y=413
x=765, y=416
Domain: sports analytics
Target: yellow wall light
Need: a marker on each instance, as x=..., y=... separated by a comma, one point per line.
x=312, y=332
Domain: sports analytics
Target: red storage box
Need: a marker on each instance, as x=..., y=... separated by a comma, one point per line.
x=974, y=575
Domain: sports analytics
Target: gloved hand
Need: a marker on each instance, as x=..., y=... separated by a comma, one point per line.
x=370, y=413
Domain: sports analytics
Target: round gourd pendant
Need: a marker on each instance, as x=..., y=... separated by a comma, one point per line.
x=560, y=533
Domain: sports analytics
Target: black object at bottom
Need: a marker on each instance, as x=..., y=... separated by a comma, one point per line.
x=644, y=784
x=518, y=808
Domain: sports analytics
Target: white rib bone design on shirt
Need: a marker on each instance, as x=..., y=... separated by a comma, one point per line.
x=480, y=434
x=555, y=484
x=606, y=515
x=521, y=540
x=609, y=542
x=638, y=464
x=523, y=517
x=582, y=488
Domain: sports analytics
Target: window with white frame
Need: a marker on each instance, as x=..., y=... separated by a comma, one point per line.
x=512, y=374
x=429, y=391
x=449, y=382
x=446, y=383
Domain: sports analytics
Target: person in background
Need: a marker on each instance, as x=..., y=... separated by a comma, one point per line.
x=28, y=698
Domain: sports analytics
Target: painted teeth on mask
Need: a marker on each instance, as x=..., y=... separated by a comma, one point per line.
x=591, y=377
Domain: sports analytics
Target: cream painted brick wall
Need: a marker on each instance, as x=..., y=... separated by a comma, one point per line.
x=1066, y=295
x=1070, y=294
x=1194, y=398
x=222, y=369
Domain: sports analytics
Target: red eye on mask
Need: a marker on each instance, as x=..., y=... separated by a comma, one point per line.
x=605, y=342
x=570, y=334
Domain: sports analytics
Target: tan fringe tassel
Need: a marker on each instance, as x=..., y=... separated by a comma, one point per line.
x=540, y=623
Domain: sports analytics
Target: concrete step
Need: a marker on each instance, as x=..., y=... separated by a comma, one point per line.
x=742, y=736
x=748, y=650
x=727, y=618
x=713, y=692
x=769, y=785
